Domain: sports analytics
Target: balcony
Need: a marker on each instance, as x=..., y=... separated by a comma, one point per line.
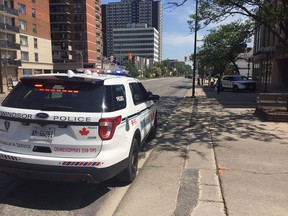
x=63, y=11
x=60, y=29
x=59, y=2
x=8, y=45
x=8, y=11
x=16, y=63
x=10, y=28
x=59, y=21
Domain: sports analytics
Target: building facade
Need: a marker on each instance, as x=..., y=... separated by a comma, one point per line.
x=136, y=40
x=119, y=14
x=244, y=63
x=9, y=46
x=270, y=59
x=34, y=37
x=76, y=32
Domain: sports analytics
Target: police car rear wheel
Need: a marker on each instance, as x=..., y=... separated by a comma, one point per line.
x=129, y=174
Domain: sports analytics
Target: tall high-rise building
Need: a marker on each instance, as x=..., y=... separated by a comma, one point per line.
x=8, y=44
x=137, y=40
x=120, y=14
x=34, y=37
x=76, y=33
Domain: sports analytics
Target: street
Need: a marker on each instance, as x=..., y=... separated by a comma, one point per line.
x=212, y=156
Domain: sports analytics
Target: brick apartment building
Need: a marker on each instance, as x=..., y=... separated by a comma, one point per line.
x=76, y=34
x=8, y=45
x=34, y=37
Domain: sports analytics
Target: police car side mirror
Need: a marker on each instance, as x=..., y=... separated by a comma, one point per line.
x=153, y=97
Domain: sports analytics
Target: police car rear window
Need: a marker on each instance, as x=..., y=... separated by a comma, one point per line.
x=57, y=96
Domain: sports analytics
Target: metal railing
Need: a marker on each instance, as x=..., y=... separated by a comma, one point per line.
x=9, y=10
x=9, y=27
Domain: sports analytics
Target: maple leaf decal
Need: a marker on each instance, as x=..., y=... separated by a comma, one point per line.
x=84, y=131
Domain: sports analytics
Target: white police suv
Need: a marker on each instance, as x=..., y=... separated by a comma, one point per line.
x=75, y=127
x=237, y=82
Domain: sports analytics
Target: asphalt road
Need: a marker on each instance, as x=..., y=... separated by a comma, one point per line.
x=197, y=139
x=26, y=197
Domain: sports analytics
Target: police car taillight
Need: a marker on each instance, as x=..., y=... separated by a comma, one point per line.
x=107, y=127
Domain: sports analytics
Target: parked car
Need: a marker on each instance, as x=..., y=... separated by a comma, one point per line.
x=189, y=76
x=75, y=127
x=237, y=82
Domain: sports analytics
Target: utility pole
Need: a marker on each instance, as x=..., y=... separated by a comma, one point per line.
x=195, y=43
x=1, y=77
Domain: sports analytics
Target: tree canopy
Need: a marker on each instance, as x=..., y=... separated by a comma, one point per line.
x=271, y=14
x=222, y=46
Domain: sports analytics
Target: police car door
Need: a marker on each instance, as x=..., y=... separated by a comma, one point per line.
x=225, y=82
x=143, y=107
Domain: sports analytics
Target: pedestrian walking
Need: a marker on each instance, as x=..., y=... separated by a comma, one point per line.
x=218, y=85
x=198, y=80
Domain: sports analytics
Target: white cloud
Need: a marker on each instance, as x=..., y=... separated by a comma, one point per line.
x=176, y=39
x=177, y=45
x=179, y=39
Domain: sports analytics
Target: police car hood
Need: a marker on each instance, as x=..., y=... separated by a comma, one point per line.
x=49, y=133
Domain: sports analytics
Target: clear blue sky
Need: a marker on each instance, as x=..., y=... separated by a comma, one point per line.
x=178, y=41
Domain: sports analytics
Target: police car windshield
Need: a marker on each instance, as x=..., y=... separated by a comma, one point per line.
x=56, y=96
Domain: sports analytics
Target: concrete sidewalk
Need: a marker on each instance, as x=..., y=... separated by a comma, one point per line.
x=214, y=159
x=180, y=176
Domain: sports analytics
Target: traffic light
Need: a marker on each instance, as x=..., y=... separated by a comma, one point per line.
x=130, y=56
x=111, y=58
x=185, y=58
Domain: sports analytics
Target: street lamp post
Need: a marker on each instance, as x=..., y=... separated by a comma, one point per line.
x=1, y=75
x=249, y=60
x=195, y=43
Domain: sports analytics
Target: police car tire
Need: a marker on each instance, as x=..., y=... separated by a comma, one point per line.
x=153, y=132
x=129, y=174
x=235, y=88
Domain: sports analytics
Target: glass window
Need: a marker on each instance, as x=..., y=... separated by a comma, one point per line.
x=68, y=96
x=23, y=25
x=115, y=98
x=27, y=71
x=138, y=93
x=35, y=43
x=23, y=40
x=34, y=27
x=36, y=57
x=33, y=12
x=24, y=56
x=37, y=71
x=22, y=8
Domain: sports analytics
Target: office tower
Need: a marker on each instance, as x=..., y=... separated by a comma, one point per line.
x=76, y=34
x=120, y=14
x=136, y=40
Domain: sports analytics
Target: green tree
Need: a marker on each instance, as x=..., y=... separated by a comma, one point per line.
x=131, y=67
x=271, y=14
x=148, y=72
x=157, y=71
x=222, y=46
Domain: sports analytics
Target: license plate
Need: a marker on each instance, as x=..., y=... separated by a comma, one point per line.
x=42, y=133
